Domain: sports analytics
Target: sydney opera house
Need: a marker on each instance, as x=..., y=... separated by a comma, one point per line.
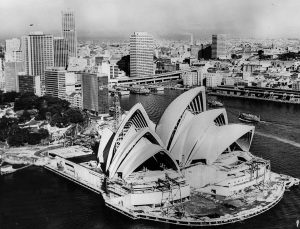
x=191, y=168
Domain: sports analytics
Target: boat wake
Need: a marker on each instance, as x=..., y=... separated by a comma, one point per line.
x=283, y=140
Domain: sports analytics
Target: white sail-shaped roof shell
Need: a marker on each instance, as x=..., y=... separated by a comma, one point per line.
x=136, y=117
x=206, y=136
x=129, y=144
x=218, y=138
x=105, y=137
x=191, y=128
x=174, y=112
x=142, y=151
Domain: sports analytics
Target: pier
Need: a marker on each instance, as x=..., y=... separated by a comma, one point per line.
x=257, y=93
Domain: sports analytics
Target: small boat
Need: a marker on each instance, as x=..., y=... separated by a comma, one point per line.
x=244, y=117
x=123, y=92
x=215, y=103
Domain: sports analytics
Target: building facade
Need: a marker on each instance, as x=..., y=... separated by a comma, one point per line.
x=26, y=83
x=218, y=46
x=61, y=52
x=95, y=93
x=69, y=31
x=11, y=46
x=55, y=81
x=38, y=54
x=11, y=71
x=141, y=54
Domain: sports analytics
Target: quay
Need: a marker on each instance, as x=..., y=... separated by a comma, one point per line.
x=256, y=93
x=89, y=176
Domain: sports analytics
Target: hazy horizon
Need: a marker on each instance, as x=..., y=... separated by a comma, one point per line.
x=161, y=18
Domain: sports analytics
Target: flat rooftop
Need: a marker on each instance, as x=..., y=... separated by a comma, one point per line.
x=71, y=151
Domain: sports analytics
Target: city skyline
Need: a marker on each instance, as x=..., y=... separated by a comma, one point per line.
x=270, y=18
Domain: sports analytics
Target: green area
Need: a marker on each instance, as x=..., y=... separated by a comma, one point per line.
x=57, y=112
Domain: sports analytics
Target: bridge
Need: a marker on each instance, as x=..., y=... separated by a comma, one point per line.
x=168, y=76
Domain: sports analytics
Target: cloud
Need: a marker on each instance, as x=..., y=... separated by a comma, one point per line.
x=273, y=18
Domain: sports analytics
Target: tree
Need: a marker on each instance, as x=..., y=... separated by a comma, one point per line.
x=5, y=125
x=25, y=117
x=17, y=136
x=25, y=102
x=74, y=116
x=10, y=96
x=124, y=64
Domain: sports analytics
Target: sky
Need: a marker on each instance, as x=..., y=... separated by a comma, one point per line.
x=119, y=18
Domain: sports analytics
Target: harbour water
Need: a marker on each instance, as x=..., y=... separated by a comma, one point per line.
x=36, y=198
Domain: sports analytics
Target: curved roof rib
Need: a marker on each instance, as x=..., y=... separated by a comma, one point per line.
x=136, y=117
x=192, y=100
x=131, y=142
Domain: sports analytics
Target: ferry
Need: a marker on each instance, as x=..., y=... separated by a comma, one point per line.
x=140, y=90
x=250, y=118
x=215, y=103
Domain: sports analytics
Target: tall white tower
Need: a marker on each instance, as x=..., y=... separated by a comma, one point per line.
x=141, y=54
x=38, y=54
x=69, y=31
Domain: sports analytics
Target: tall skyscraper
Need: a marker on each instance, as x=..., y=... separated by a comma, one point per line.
x=95, y=93
x=38, y=54
x=69, y=31
x=61, y=52
x=141, y=54
x=218, y=46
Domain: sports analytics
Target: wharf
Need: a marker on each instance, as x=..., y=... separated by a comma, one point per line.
x=254, y=98
x=213, y=211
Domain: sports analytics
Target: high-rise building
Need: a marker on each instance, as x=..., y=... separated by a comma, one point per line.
x=26, y=83
x=38, y=54
x=141, y=54
x=11, y=46
x=69, y=31
x=11, y=71
x=55, y=81
x=61, y=52
x=95, y=93
x=218, y=46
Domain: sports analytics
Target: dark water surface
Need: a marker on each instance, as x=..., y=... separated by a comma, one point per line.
x=35, y=198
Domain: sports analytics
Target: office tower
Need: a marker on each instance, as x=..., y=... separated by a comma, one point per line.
x=55, y=81
x=11, y=71
x=69, y=31
x=141, y=54
x=27, y=83
x=11, y=46
x=95, y=93
x=61, y=52
x=195, y=49
x=218, y=46
x=38, y=54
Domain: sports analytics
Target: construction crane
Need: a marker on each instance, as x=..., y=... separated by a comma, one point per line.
x=117, y=114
